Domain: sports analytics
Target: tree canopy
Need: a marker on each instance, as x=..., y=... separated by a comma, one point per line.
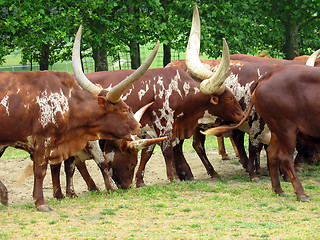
x=44, y=30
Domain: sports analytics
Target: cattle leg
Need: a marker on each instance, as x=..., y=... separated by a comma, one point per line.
x=94, y=148
x=273, y=165
x=82, y=168
x=198, y=145
x=170, y=163
x=39, y=170
x=55, y=177
x=234, y=147
x=3, y=194
x=288, y=165
x=238, y=138
x=69, y=167
x=182, y=167
x=3, y=189
x=145, y=156
x=254, y=160
x=108, y=181
x=222, y=149
x=306, y=153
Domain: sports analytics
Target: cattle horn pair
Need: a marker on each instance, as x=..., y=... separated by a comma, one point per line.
x=115, y=93
x=212, y=83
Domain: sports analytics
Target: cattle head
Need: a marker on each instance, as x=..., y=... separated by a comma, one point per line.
x=122, y=155
x=110, y=101
x=121, y=164
x=212, y=83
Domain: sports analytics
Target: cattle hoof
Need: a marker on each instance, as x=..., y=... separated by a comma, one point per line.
x=299, y=169
x=255, y=179
x=141, y=185
x=225, y=158
x=215, y=175
x=44, y=208
x=304, y=198
x=73, y=195
x=4, y=202
x=191, y=179
x=283, y=194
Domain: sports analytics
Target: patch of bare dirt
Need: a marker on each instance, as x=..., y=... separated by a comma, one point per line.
x=21, y=193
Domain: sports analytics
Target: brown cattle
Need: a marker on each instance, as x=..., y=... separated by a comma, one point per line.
x=243, y=75
x=287, y=99
x=48, y=114
x=179, y=106
x=119, y=157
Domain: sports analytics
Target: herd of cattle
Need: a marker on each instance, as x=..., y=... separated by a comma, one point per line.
x=57, y=117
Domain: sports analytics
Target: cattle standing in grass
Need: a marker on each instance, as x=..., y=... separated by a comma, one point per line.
x=243, y=75
x=288, y=100
x=49, y=115
x=179, y=105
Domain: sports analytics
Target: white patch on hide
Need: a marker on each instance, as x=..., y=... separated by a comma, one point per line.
x=142, y=92
x=175, y=142
x=237, y=90
x=5, y=103
x=186, y=88
x=147, y=132
x=110, y=156
x=166, y=112
x=47, y=142
x=124, y=97
x=196, y=90
x=50, y=105
x=207, y=118
x=180, y=115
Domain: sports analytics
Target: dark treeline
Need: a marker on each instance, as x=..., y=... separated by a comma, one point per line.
x=44, y=30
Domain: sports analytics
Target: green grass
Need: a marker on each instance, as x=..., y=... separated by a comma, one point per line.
x=11, y=153
x=228, y=209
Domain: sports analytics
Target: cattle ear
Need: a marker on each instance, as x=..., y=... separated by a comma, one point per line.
x=214, y=100
x=102, y=101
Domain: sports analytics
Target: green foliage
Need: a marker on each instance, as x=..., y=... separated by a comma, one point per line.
x=249, y=26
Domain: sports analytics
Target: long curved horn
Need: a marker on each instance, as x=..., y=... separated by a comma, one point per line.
x=312, y=59
x=115, y=93
x=83, y=81
x=194, y=65
x=212, y=83
x=141, y=111
x=215, y=84
x=140, y=144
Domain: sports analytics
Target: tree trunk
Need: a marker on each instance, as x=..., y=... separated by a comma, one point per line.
x=100, y=59
x=166, y=54
x=134, y=54
x=291, y=45
x=44, y=59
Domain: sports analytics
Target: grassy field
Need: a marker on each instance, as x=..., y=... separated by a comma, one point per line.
x=227, y=208
x=230, y=208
